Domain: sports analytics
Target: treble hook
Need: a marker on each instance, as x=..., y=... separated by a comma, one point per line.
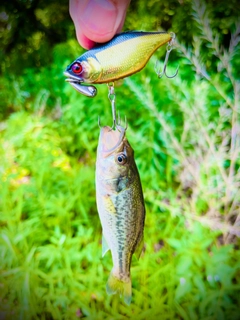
x=169, y=49
x=119, y=121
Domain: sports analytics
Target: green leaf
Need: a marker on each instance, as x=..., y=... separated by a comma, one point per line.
x=176, y=244
x=184, y=265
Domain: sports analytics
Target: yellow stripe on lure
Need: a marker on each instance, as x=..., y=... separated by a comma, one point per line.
x=126, y=54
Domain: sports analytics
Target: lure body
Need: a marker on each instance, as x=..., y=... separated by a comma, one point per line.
x=124, y=55
x=120, y=205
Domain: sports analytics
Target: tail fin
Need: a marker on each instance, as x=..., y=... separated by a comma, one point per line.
x=115, y=285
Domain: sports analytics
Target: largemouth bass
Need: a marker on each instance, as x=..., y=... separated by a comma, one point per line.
x=120, y=206
x=124, y=55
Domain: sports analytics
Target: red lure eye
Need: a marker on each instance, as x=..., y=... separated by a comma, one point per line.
x=76, y=68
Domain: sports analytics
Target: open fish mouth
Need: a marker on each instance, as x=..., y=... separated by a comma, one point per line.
x=77, y=84
x=111, y=139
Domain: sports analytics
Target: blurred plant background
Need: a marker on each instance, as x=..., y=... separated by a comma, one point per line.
x=186, y=136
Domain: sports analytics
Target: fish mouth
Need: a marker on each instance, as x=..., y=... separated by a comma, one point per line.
x=71, y=77
x=77, y=83
x=111, y=139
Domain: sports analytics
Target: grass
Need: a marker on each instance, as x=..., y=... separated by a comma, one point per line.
x=185, y=133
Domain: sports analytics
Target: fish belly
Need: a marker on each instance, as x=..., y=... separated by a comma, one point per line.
x=122, y=219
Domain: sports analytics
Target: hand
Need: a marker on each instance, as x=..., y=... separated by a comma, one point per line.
x=97, y=20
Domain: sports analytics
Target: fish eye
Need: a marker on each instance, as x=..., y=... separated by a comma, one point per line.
x=76, y=68
x=121, y=158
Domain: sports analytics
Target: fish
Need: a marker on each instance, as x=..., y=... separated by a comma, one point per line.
x=120, y=205
x=124, y=55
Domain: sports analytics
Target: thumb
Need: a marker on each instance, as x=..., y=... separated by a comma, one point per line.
x=97, y=20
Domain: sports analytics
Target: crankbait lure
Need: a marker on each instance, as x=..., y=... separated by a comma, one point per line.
x=124, y=55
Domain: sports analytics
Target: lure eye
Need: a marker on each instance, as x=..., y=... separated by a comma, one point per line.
x=121, y=158
x=76, y=68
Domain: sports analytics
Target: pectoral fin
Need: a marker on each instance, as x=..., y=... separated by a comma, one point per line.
x=108, y=204
x=105, y=246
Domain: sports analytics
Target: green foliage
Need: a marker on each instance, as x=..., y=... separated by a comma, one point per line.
x=185, y=133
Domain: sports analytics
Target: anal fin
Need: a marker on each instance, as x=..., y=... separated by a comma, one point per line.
x=105, y=246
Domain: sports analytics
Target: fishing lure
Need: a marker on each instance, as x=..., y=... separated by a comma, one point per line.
x=124, y=55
